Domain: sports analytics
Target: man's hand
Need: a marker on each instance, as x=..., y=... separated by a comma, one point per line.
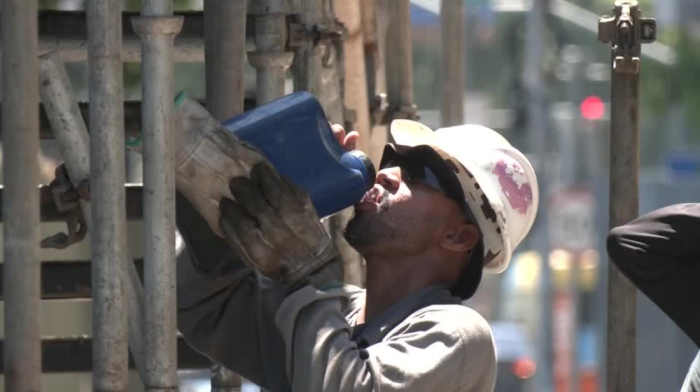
x=347, y=141
x=273, y=227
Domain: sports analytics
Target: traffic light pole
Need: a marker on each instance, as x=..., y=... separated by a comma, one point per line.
x=625, y=31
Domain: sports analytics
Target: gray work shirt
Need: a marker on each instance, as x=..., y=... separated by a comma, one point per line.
x=308, y=341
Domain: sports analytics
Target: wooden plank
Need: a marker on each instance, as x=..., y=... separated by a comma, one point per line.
x=74, y=354
x=65, y=279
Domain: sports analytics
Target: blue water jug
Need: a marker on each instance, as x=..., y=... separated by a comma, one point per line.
x=295, y=136
x=292, y=133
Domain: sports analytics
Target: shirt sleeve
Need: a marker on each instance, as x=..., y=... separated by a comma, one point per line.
x=225, y=309
x=440, y=350
x=660, y=253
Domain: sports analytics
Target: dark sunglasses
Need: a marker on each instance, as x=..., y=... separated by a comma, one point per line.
x=413, y=171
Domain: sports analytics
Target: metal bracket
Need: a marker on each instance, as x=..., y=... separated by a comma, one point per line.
x=67, y=199
x=382, y=113
x=406, y=112
x=318, y=34
x=378, y=109
x=626, y=30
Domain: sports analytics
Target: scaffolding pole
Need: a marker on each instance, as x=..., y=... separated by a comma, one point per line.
x=399, y=60
x=453, y=62
x=157, y=28
x=225, y=54
x=20, y=119
x=626, y=31
x=355, y=97
x=107, y=172
x=270, y=58
x=74, y=143
x=374, y=24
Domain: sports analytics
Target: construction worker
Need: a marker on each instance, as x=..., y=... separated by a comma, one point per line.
x=447, y=205
x=659, y=252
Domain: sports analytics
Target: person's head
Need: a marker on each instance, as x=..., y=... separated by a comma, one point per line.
x=447, y=196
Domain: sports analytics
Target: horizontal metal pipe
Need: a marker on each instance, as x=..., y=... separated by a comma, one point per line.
x=74, y=50
x=22, y=350
x=107, y=175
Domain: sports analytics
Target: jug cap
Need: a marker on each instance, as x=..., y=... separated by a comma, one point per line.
x=369, y=167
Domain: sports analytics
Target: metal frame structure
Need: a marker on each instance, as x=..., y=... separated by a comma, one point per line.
x=321, y=53
x=309, y=36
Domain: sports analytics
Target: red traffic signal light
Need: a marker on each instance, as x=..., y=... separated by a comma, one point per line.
x=592, y=108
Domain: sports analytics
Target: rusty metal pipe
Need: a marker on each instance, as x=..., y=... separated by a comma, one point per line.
x=225, y=53
x=157, y=28
x=107, y=175
x=20, y=119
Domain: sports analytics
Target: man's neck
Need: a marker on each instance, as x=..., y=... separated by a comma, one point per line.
x=389, y=282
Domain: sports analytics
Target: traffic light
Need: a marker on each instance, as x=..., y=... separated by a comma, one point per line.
x=592, y=108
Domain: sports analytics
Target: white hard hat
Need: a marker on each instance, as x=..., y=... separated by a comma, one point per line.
x=499, y=183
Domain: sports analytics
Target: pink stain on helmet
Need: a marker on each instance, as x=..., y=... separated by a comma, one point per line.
x=514, y=185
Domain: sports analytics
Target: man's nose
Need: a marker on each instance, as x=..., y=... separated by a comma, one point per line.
x=389, y=178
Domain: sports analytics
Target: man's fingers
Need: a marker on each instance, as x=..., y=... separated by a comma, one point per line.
x=339, y=133
x=350, y=141
x=235, y=219
x=243, y=233
x=280, y=193
x=248, y=194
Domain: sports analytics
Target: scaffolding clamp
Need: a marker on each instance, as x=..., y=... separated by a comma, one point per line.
x=319, y=34
x=67, y=199
x=626, y=30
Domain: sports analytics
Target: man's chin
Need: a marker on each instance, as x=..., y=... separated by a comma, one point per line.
x=361, y=230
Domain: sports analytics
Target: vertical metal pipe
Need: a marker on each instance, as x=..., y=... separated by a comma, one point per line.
x=270, y=59
x=624, y=206
x=374, y=20
x=157, y=28
x=225, y=57
x=74, y=143
x=453, y=62
x=399, y=59
x=20, y=123
x=107, y=174
x=626, y=31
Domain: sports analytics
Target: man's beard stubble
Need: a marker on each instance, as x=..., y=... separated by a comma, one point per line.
x=366, y=230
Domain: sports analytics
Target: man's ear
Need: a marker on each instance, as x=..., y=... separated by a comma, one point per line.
x=461, y=238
